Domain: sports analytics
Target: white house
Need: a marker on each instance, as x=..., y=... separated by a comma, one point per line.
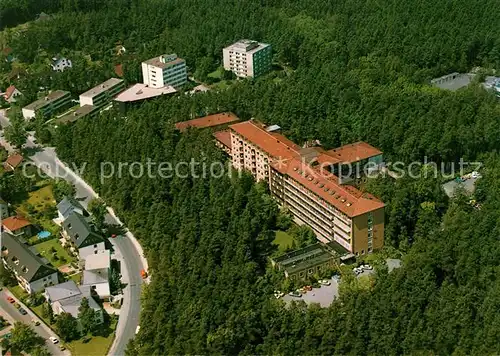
x=164, y=70
x=60, y=64
x=67, y=297
x=82, y=236
x=33, y=273
x=96, y=273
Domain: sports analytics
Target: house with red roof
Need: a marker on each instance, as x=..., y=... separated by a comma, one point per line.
x=11, y=93
x=18, y=226
x=12, y=162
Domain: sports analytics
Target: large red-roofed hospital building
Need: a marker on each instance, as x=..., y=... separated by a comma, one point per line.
x=310, y=182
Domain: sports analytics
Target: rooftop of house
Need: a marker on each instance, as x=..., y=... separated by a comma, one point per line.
x=101, y=88
x=223, y=137
x=80, y=232
x=100, y=260
x=82, y=111
x=68, y=205
x=20, y=258
x=70, y=297
x=165, y=61
x=14, y=223
x=62, y=291
x=208, y=121
x=248, y=46
x=10, y=90
x=119, y=70
x=141, y=92
x=51, y=97
x=94, y=277
x=14, y=160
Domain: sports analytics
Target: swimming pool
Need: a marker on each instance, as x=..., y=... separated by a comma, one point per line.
x=44, y=234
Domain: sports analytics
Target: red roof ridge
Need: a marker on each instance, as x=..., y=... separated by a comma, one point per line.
x=208, y=121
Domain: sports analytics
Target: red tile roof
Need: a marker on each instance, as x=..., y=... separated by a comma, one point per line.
x=347, y=199
x=223, y=137
x=14, y=223
x=353, y=152
x=13, y=161
x=10, y=90
x=273, y=144
x=119, y=70
x=208, y=121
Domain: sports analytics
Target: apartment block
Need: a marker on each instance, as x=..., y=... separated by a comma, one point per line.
x=103, y=93
x=303, y=180
x=164, y=70
x=247, y=58
x=49, y=105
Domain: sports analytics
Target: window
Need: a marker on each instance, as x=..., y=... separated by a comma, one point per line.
x=95, y=252
x=95, y=246
x=69, y=226
x=301, y=274
x=310, y=271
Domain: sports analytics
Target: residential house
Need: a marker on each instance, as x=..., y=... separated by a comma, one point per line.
x=18, y=226
x=11, y=93
x=12, y=162
x=97, y=272
x=82, y=236
x=69, y=205
x=32, y=272
x=4, y=209
x=67, y=298
x=60, y=64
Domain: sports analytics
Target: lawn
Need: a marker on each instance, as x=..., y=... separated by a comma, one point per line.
x=76, y=278
x=39, y=205
x=216, y=74
x=98, y=345
x=62, y=255
x=18, y=292
x=283, y=240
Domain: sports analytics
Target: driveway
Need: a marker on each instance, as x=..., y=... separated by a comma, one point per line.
x=127, y=249
x=12, y=314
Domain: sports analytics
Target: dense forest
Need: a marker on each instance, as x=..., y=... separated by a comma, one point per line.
x=353, y=70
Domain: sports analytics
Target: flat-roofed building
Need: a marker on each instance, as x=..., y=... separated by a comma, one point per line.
x=305, y=262
x=167, y=69
x=82, y=111
x=103, y=93
x=214, y=120
x=47, y=106
x=139, y=92
x=247, y=58
x=302, y=180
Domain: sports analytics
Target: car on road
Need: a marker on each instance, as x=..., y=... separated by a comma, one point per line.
x=62, y=348
x=295, y=293
x=11, y=300
x=22, y=311
x=35, y=322
x=17, y=305
x=53, y=340
x=325, y=282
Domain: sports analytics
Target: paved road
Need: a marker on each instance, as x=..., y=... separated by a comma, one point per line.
x=13, y=314
x=127, y=249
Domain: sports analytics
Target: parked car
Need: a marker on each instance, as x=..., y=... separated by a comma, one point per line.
x=35, y=322
x=22, y=311
x=325, y=282
x=17, y=305
x=62, y=348
x=308, y=288
x=295, y=293
x=11, y=300
x=368, y=267
x=53, y=340
x=475, y=175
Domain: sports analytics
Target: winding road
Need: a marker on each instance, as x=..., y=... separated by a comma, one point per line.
x=127, y=250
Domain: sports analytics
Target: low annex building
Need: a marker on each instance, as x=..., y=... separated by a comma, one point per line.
x=103, y=93
x=33, y=273
x=17, y=226
x=48, y=105
x=215, y=120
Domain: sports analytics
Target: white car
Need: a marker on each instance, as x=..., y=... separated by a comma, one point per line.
x=53, y=340
x=475, y=175
x=368, y=267
x=325, y=282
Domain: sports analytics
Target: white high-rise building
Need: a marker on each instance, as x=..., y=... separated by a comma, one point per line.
x=163, y=71
x=247, y=58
